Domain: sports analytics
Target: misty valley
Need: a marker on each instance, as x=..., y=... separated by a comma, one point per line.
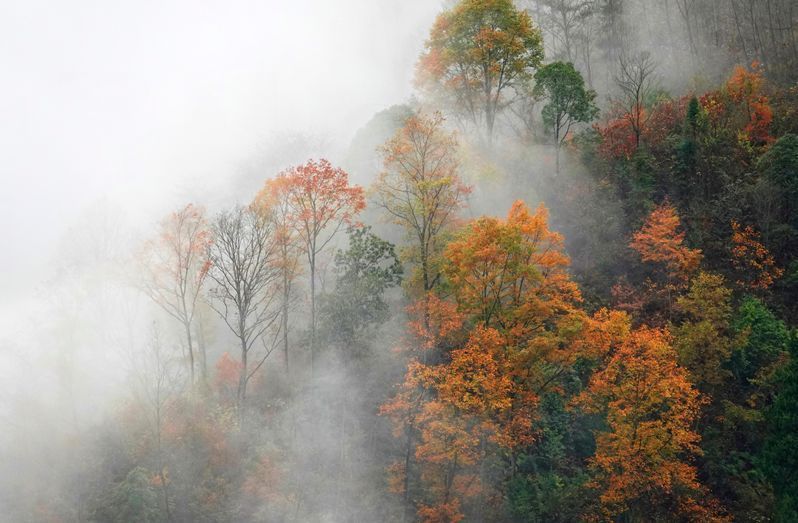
x=456, y=261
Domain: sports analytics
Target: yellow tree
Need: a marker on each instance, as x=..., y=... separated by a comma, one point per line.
x=703, y=340
x=420, y=189
x=476, y=53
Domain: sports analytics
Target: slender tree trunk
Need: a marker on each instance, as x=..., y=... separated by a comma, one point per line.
x=312, y=315
x=242, y=377
x=187, y=327
x=286, y=296
x=202, y=352
x=557, y=150
x=406, y=493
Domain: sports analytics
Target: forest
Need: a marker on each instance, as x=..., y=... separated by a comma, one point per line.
x=558, y=282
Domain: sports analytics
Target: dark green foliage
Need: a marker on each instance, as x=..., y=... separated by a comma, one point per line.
x=735, y=427
x=780, y=456
x=779, y=170
x=550, y=483
x=766, y=340
x=568, y=100
x=364, y=272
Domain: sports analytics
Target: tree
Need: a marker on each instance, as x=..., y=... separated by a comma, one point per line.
x=175, y=267
x=509, y=285
x=779, y=168
x=642, y=462
x=320, y=201
x=158, y=384
x=477, y=52
x=511, y=274
x=566, y=21
x=780, y=453
x=736, y=432
x=133, y=499
x=434, y=325
x=660, y=241
x=746, y=89
x=704, y=340
x=420, y=189
x=475, y=404
x=635, y=81
x=363, y=273
x=753, y=262
x=569, y=101
x=271, y=203
x=244, y=277
x=765, y=342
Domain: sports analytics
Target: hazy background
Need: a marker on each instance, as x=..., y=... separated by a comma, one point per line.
x=135, y=107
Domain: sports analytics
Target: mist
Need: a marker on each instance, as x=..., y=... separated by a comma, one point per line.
x=319, y=393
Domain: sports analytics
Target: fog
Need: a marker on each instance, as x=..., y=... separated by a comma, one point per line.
x=116, y=113
x=115, y=116
x=147, y=105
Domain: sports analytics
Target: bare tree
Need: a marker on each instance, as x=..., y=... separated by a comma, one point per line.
x=635, y=80
x=244, y=277
x=565, y=20
x=175, y=266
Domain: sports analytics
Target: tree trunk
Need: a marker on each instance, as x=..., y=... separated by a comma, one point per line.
x=312, y=315
x=242, y=378
x=286, y=296
x=406, y=493
x=187, y=327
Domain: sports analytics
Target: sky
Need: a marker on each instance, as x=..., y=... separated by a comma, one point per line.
x=142, y=104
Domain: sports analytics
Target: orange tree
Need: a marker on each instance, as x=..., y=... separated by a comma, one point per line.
x=476, y=408
x=751, y=260
x=273, y=203
x=318, y=201
x=670, y=262
x=642, y=467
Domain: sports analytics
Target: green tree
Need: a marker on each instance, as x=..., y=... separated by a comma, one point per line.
x=568, y=100
x=476, y=52
x=733, y=438
x=779, y=166
x=780, y=456
x=766, y=341
x=364, y=272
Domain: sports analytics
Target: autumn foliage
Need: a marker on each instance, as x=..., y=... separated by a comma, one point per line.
x=421, y=191
x=753, y=262
x=642, y=465
x=742, y=105
x=508, y=280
